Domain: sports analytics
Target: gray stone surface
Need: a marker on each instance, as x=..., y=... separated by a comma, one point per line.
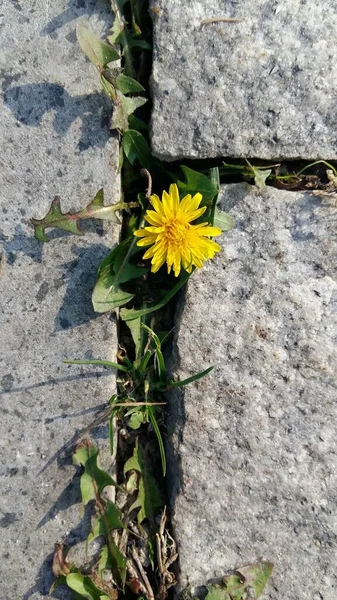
x=265, y=87
x=253, y=463
x=54, y=141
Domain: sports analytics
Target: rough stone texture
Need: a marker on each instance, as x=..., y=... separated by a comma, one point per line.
x=54, y=141
x=265, y=87
x=253, y=463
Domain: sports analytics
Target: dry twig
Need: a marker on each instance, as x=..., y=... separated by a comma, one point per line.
x=142, y=575
x=147, y=174
x=166, y=555
x=220, y=20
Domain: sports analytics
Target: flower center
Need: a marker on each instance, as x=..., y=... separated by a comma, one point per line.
x=175, y=231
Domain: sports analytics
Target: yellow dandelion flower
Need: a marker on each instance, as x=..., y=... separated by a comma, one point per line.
x=172, y=237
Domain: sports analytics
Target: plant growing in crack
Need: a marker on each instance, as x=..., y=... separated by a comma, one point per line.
x=135, y=550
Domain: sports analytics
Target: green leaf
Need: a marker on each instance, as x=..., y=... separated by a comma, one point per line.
x=99, y=53
x=216, y=592
x=137, y=419
x=191, y=379
x=237, y=586
x=136, y=147
x=119, y=22
x=118, y=563
x=138, y=124
x=121, y=34
x=138, y=43
x=123, y=108
x=131, y=485
x=107, y=295
x=256, y=576
x=111, y=558
x=128, y=84
x=113, y=518
x=128, y=272
x=97, y=529
x=135, y=27
x=104, y=560
x=87, y=456
x=113, y=80
x=137, y=335
x=198, y=182
x=108, y=88
x=139, y=9
x=223, y=220
x=69, y=221
x=114, y=261
x=115, y=270
x=260, y=177
x=217, y=217
x=148, y=498
x=85, y=587
x=130, y=314
x=88, y=490
x=81, y=455
x=55, y=218
x=101, y=478
x=97, y=210
x=103, y=363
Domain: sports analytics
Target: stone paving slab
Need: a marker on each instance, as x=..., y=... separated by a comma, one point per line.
x=253, y=466
x=54, y=139
x=265, y=87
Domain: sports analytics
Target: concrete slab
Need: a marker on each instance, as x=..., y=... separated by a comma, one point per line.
x=253, y=459
x=52, y=128
x=264, y=87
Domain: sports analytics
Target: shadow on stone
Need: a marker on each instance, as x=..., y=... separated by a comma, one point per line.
x=80, y=275
x=25, y=242
x=228, y=201
x=30, y=102
x=176, y=417
x=69, y=496
x=7, y=385
x=300, y=231
x=44, y=581
x=75, y=9
x=21, y=242
x=63, y=455
x=45, y=577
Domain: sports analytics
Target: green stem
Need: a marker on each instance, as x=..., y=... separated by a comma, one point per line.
x=215, y=179
x=128, y=63
x=102, y=363
x=317, y=162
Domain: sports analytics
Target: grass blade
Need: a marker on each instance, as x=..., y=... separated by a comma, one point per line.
x=129, y=315
x=144, y=362
x=158, y=353
x=191, y=379
x=103, y=363
x=159, y=438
